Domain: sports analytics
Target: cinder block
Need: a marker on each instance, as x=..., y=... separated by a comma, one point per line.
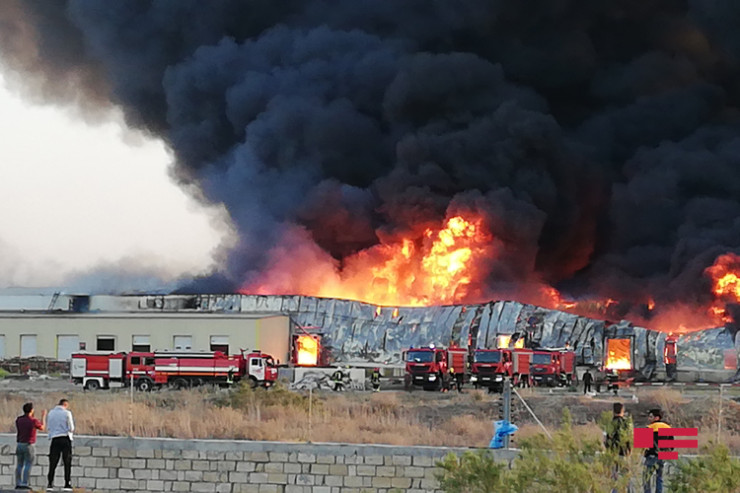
x=305, y=480
x=201, y=465
x=180, y=486
x=277, y=478
x=338, y=470
x=183, y=465
x=155, y=485
x=319, y=469
x=95, y=472
x=274, y=467
x=290, y=468
x=203, y=487
x=258, y=477
x=278, y=457
x=193, y=475
x=270, y=488
x=364, y=470
x=353, y=481
x=379, y=482
x=129, y=484
x=385, y=471
x=111, y=462
x=325, y=459
x=101, y=452
x=375, y=460
x=238, y=477
x=236, y=456
x=226, y=465
x=246, y=466
x=413, y=472
x=90, y=462
x=422, y=461
x=108, y=484
x=401, y=460
x=82, y=451
x=135, y=463
x=155, y=464
x=303, y=457
x=404, y=483
x=334, y=480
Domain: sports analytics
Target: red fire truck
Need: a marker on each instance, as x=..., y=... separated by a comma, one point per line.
x=553, y=367
x=490, y=367
x=429, y=367
x=147, y=370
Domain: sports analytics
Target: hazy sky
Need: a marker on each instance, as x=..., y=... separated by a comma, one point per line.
x=75, y=197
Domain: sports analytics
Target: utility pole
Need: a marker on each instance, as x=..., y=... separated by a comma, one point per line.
x=506, y=397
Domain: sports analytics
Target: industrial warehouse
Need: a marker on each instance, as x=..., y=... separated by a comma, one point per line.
x=356, y=333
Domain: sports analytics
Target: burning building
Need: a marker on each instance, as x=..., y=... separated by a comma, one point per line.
x=429, y=158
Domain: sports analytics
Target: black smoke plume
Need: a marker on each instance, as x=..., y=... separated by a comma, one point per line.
x=599, y=139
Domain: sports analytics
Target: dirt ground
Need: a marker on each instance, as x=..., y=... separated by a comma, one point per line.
x=469, y=415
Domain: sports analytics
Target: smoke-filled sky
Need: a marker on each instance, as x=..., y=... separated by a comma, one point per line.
x=599, y=140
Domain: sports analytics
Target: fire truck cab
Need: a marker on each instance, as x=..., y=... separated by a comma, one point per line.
x=429, y=367
x=490, y=368
x=553, y=367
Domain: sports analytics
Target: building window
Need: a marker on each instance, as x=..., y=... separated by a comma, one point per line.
x=183, y=343
x=28, y=346
x=220, y=343
x=140, y=344
x=106, y=343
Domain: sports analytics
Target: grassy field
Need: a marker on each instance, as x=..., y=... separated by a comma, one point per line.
x=397, y=418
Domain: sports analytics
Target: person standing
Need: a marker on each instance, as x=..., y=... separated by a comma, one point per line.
x=61, y=425
x=587, y=379
x=25, y=449
x=338, y=379
x=654, y=465
x=375, y=379
x=618, y=440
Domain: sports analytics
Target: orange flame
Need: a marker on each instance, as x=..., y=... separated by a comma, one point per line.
x=725, y=285
x=618, y=354
x=307, y=349
x=434, y=266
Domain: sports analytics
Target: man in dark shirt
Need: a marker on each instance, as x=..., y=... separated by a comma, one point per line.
x=25, y=452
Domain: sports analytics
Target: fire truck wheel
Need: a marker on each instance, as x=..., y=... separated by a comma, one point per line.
x=253, y=382
x=180, y=383
x=92, y=385
x=144, y=385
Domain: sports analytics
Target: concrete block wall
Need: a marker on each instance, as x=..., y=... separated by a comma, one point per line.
x=109, y=464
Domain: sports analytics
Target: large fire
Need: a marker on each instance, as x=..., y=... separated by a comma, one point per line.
x=449, y=263
x=432, y=266
x=725, y=276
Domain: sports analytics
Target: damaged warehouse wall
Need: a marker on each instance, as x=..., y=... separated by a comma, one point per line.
x=361, y=332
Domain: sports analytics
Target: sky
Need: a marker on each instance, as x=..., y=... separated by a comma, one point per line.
x=80, y=197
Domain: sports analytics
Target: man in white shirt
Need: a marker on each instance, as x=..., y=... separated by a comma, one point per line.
x=60, y=426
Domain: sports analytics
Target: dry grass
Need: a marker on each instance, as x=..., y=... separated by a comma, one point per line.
x=390, y=418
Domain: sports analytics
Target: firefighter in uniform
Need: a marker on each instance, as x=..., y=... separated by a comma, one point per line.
x=338, y=378
x=375, y=379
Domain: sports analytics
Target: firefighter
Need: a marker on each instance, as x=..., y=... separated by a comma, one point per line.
x=338, y=378
x=375, y=379
x=452, y=380
x=459, y=379
x=230, y=376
